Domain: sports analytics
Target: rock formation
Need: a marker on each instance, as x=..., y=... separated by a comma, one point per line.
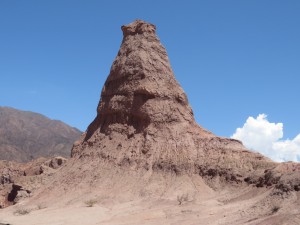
x=144, y=119
x=19, y=180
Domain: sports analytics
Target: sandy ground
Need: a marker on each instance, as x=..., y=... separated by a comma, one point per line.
x=135, y=212
x=213, y=210
x=125, y=198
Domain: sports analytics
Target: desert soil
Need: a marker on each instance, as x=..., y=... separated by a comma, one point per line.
x=214, y=208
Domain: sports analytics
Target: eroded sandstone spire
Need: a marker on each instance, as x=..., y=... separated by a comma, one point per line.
x=141, y=98
x=143, y=118
x=141, y=91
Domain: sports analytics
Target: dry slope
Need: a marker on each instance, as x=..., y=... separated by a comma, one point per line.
x=26, y=135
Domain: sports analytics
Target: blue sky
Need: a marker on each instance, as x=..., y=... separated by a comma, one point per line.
x=234, y=59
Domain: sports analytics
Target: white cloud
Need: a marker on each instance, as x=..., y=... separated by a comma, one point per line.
x=262, y=136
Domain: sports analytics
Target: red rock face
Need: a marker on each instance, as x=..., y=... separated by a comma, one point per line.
x=143, y=111
x=18, y=180
x=145, y=123
x=141, y=91
x=144, y=119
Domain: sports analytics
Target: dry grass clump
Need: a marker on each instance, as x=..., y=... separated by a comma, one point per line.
x=275, y=209
x=182, y=198
x=90, y=203
x=22, y=211
x=41, y=206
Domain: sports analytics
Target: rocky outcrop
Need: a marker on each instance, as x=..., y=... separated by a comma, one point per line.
x=144, y=120
x=18, y=181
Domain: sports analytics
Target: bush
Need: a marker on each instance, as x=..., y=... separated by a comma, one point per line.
x=41, y=206
x=22, y=211
x=275, y=209
x=182, y=198
x=91, y=202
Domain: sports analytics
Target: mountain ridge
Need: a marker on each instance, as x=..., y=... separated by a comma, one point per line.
x=27, y=135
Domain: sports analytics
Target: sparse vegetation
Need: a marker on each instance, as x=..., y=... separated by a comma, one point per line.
x=275, y=209
x=41, y=206
x=22, y=211
x=91, y=202
x=182, y=198
x=186, y=211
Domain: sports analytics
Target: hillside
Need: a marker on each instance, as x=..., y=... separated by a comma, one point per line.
x=27, y=135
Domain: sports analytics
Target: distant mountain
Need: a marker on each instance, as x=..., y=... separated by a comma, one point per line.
x=28, y=135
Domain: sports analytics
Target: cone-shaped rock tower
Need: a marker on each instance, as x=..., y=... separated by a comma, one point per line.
x=143, y=118
x=141, y=93
x=145, y=145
